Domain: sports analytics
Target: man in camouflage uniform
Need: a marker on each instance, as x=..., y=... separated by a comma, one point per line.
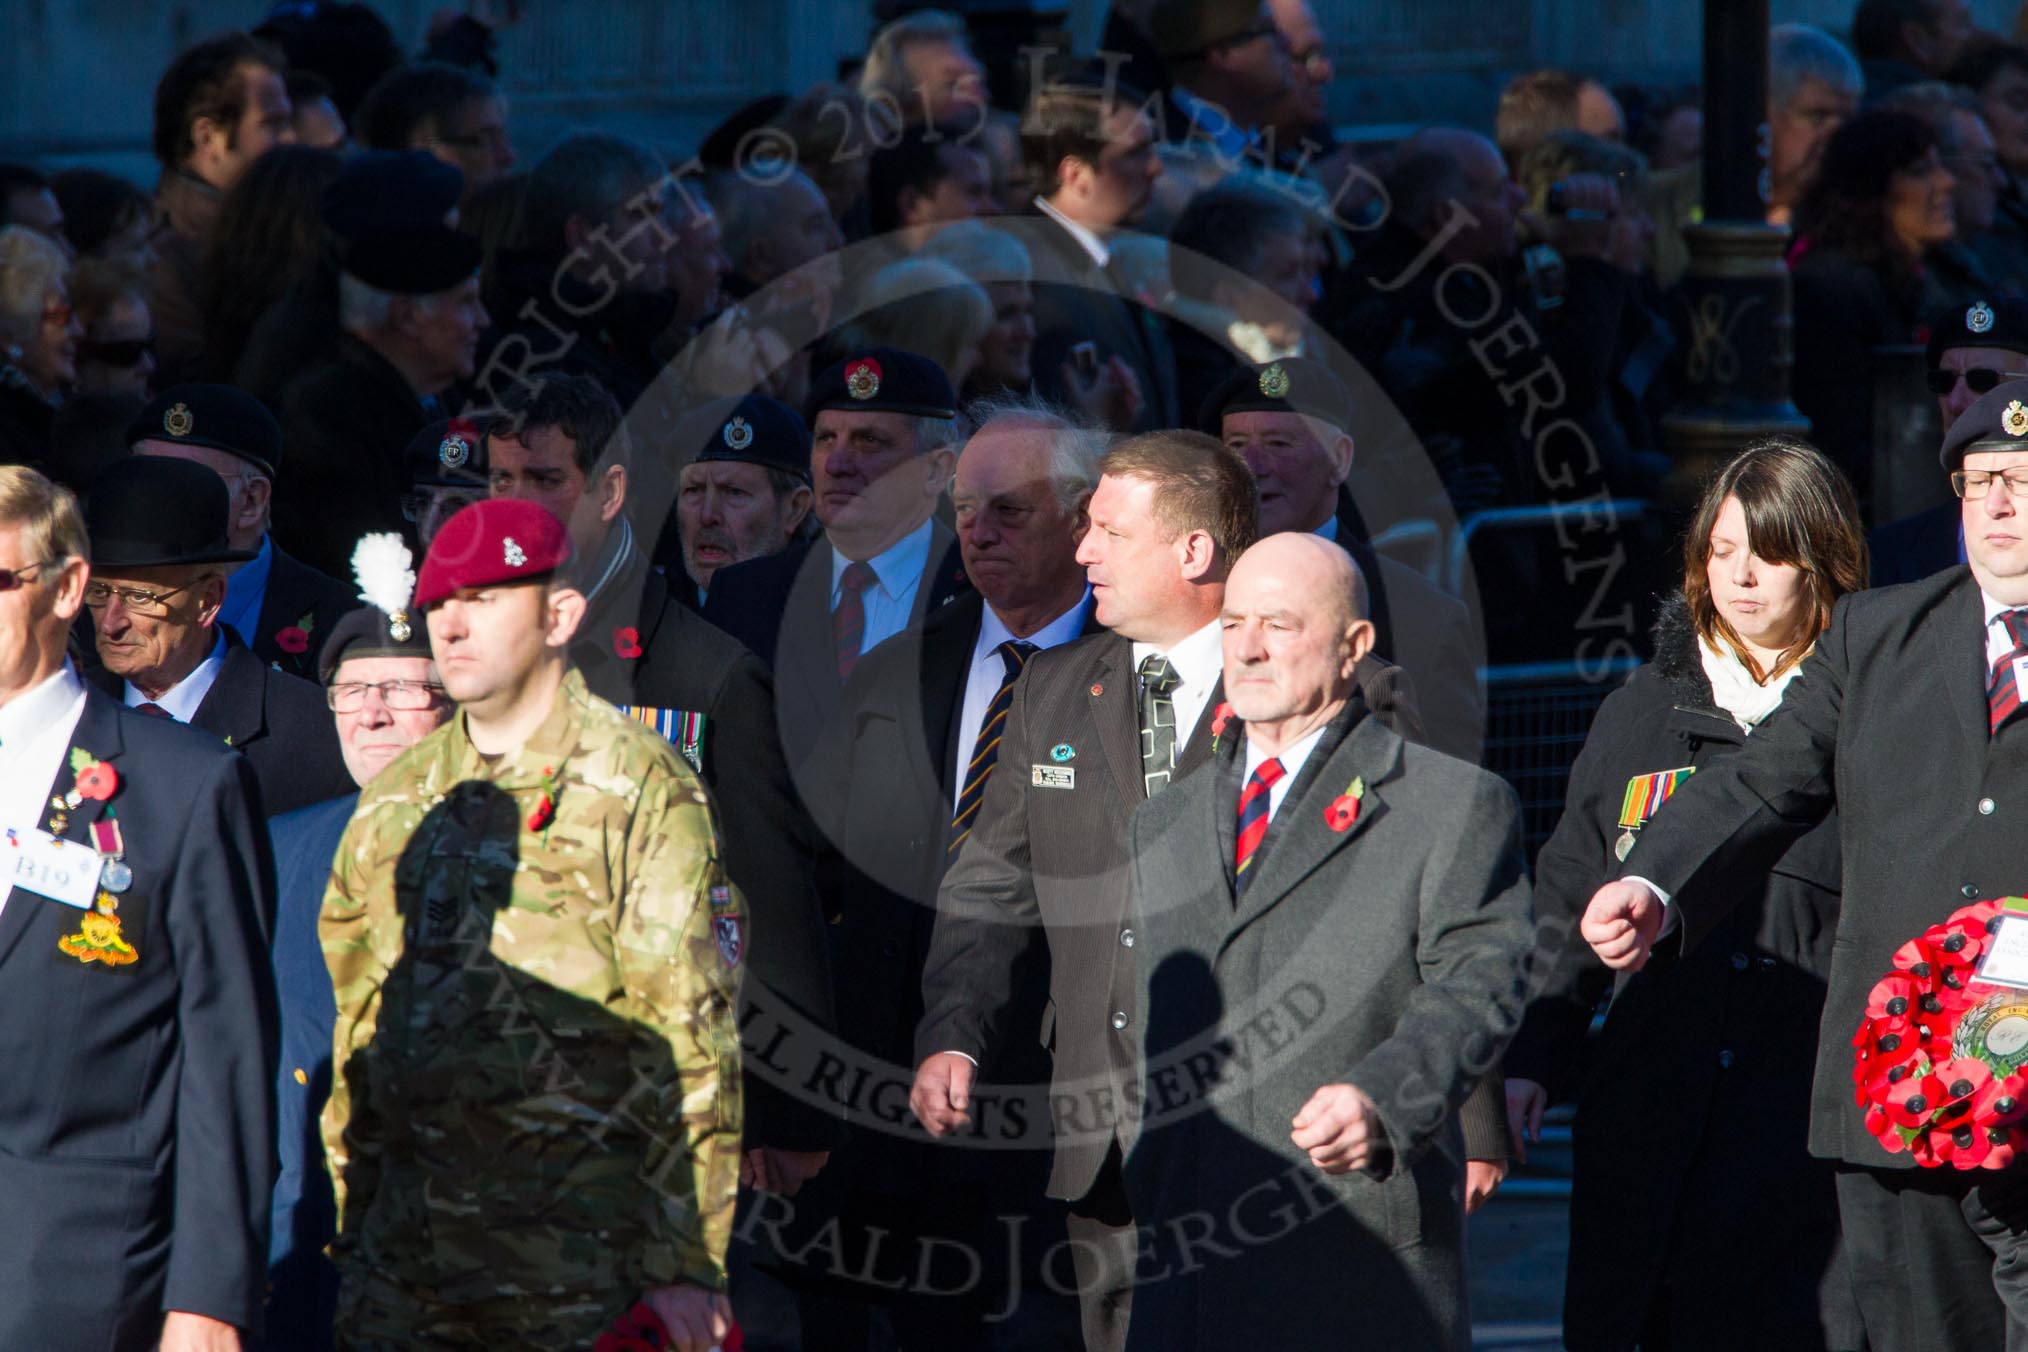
x=535, y=1119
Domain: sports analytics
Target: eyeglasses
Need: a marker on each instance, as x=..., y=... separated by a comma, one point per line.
x=122, y=352
x=349, y=697
x=11, y=578
x=1973, y=485
x=137, y=600
x=1982, y=379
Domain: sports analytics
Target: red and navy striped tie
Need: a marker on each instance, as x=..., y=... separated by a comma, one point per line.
x=1253, y=821
x=848, y=621
x=1014, y=654
x=2006, y=691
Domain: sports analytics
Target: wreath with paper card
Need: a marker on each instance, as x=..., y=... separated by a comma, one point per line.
x=1941, y=1058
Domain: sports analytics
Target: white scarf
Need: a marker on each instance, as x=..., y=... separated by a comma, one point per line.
x=1734, y=689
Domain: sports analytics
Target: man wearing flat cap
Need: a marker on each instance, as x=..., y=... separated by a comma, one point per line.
x=374, y=189
x=408, y=302
x=561, y=444
x=535, y=954
x=884, y=440
x=385, y=696
x=279, y=607
x=137, y=1008
x=1906, y=719
x=1291, y=421
x=1971, y=349
x=745, y=495
x=159, y=546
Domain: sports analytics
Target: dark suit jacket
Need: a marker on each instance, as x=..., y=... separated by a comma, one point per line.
x=345, y=423
x=137, y=1110
x=296, y=591
x=1888, y=723
x=279, y=722
x=304, y=1285
x=1077, y=302
x=1916, y=546
x=780, y=607
x=1390, y=955
x=687, y=664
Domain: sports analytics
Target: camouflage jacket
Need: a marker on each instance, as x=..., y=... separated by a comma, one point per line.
x=536, y=960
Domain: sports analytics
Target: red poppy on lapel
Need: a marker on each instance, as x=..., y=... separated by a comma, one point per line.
x=293, y=640
x=98, y=781
x=1344, y=809
x=627, y=642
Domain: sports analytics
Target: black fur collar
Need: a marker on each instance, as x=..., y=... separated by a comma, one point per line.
x=1676, y=657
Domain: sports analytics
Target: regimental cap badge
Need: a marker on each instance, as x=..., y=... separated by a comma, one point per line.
x=1274, y=382
x=1979, y=318
x=862, y=378
x=453, y=451
x=513, y=553
x=177, y=422
x=398, y=627
x=738, y=433
x=2015, y=419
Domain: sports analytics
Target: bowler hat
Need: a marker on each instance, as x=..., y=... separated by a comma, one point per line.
x=149, y=511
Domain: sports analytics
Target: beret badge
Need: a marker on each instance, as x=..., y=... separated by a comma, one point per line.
x=1979, y=317
x=2015, y=419
x=1274, y=382
x=862, y=378
x=512, y=553
x=453, y=451
x=177, y=422
x=738, y=434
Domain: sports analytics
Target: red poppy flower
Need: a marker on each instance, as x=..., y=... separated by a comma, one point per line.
x=97, y=781
x=1963, y=1079
x=1964, y=938
x=638, y=1330
x=1219, y=718
x=1912, y=1100
x=1344, y=810
x=627, y=642
x=1895, y=997
x=292, y=640
x=545, y=811
x=2002, y=1102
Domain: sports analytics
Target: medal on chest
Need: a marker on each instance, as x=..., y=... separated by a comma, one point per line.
x=1643, y=799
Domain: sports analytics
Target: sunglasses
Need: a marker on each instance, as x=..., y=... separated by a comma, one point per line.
x=1982, y=379
x=12, y=578
x=117, y=351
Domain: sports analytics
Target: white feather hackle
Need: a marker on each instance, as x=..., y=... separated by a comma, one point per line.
x=385, y=571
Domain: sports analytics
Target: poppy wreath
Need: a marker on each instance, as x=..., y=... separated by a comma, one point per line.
x=1939, y=1059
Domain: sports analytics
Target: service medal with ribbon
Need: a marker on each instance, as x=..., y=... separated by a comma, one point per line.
x=1644, y=798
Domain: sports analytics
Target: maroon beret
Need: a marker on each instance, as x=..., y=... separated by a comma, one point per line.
x=488, y=543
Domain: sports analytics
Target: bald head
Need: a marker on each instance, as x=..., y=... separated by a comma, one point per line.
x=1451, y=183
x=1295, y=626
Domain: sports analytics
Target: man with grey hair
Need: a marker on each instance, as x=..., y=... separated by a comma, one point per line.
x=592, y=289
x=1813, y=85
x=410, y=315
x=896, y=784
x=923, y=62
x=773, y=220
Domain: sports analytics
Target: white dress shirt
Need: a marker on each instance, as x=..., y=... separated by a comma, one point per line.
x=890, y=601
x=983, y=680
x=35, y=731
x=1292, y=759
x=1199, y=661
x=1087, y=238
x=180, y=700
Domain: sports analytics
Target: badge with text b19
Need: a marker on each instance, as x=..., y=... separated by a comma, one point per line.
x=60, y=870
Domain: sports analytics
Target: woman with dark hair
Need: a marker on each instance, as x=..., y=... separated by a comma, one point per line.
x=1698, y=1218
x=104, y=216
x=1881, y=200
x=268, y=235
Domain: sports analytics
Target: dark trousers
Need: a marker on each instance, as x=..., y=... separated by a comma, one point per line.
x=1939, y=1259
x=1103, y=1248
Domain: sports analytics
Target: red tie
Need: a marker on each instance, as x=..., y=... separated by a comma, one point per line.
x=848, y=621
x=153, y=710
x=2005, y=692
x=1253, y=820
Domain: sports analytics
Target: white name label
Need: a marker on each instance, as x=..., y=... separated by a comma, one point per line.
x=1053, y=777
x=2006, y=962
x=61, y=870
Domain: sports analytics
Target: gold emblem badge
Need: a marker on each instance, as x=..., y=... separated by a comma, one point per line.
x=98, y=937
x=177, y=422
x=453, y=452
x=862, y=378
x=738, y=433
x=2015, y=419
x=1274, y=382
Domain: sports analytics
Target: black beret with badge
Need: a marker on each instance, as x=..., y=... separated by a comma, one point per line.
x=379, y=188
x=2001, y=322
x=757, y=430
x=412, y=260
x=449, y=453
x=154, y=511
x=388, y=624
x=216, y=416
x=1291, y=385
x=1997, y=421
x=885, y=380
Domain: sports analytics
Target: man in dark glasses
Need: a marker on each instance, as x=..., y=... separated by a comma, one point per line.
x=1971, y=350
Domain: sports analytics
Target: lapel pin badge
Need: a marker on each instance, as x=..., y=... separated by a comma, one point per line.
x=1062, y=752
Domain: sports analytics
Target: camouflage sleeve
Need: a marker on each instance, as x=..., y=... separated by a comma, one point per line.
x=345, y=930
x=680, y=948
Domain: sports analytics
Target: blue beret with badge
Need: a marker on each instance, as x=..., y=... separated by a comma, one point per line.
x=1997, y=321
x=1997, y=421
x=884, y=380
x=755, y=430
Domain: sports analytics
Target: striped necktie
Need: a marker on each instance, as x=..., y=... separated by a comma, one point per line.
x=1254, y=801
x=848, y=621
x=2005, y=694
x=1014, y=655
